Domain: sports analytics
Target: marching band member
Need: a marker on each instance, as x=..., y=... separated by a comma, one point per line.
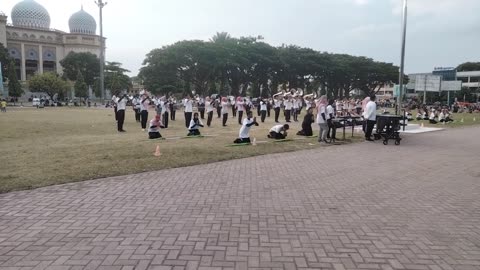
x=224, y=106
x=154, y=128
x=277, y=103
x=144, y=103
x=209, y=108
x=218, y=105
x=296, y=109
x=188, y=104
x=114, y=104
x=121, y=106
x=201, y=107
x=173, y=109
x=244, y=134
x=240, y=108
x=263, y=110
x=136, y=108
x=195, y=124
x=166, y=111
x=234, y=108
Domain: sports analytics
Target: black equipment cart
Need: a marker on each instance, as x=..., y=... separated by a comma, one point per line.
x=388, y=128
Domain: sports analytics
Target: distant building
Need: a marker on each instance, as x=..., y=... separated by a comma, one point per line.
x=36, y=47
x=470, y=79
x=447, y=73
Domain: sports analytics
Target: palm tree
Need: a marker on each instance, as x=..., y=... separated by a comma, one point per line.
x=221, y=37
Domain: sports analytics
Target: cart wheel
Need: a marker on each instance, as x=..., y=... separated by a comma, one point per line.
x=385, y=142
x=397, y=142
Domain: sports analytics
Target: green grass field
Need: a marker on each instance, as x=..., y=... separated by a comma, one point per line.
x=41, y=147
x=49, y=146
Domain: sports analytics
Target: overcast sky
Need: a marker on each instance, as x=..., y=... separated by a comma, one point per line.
x=440, y=32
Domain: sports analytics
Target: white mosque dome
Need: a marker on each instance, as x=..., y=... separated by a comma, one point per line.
x=82, y=23
x=29, y=13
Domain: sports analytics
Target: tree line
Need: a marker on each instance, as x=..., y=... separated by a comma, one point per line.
x=248, y=66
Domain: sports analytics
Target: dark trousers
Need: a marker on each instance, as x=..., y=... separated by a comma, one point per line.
x=240, y=116
x=137, y=115
x=288, y=113
x=277, y=136
x=154, y=135
x=202, y=113
x=277, y=114
x=144, y=118
x=263, y=115
x=172, y=115
x=234, y=111
x=194, y=132
x=209, y=118
x=225, y=118
x=219, y=112
x=242, y=140
x=165, y=119
x=370, y=126
x=268, y=112
x=258, y=110
x=188, y=118
x=120, y=119
x=115, y=112
x=332, y=130
x=295, y=114
x=432, y=121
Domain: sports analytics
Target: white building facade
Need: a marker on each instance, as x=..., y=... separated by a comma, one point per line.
x=35, y=47
x=470, y=79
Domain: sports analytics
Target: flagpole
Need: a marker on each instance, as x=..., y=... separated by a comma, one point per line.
x=401, y=96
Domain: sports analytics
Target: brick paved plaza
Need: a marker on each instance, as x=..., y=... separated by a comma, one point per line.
x=360, y=206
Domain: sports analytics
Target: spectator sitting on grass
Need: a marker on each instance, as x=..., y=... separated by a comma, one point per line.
x=433, y=117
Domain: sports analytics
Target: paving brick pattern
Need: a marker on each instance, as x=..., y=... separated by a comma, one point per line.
x=361, y=206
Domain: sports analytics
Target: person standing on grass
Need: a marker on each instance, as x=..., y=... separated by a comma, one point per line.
x=3, y=105
x=263, y=109
x=144, y=103
x=188, y=104
x=240, y=108
x=165, y=110
x=154, y=128
x=195, y=124
x=136, y=108
x=370, y=117
x=121, y=106
x=332, y=129
x=209, y=109
x=172, y=103
x=322, y=119
x=224, y=105
x=277, y=103
x=244, y=134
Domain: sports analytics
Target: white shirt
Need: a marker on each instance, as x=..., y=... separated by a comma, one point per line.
x=288, y=105
x=263, y=106
x=209, y=106
x=193, y=126
x=188, y=103
x=121, y=104
x=321, y=110
x=224, y=107
x=432, y=116
x=245, y=129
x=330, y=111
x=371, y=111
x=277, y=103
x=136, y=103
x=144, y=105
x=240, y=106
x=154, y=126
x=277, y=129
x=339, y=106
x=296, y=104
x=441, y=116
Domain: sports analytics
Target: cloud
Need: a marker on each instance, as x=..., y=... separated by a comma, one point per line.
x=361, y=2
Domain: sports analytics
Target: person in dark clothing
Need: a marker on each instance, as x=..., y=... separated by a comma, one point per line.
x=308, y=120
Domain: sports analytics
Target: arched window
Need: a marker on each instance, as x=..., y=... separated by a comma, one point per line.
x=24, y=36
x=42, y=37
x=32, y=36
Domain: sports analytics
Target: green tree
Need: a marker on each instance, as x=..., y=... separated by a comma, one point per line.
x=87, y=64
x=81, y=88
x=49, y=83
x=14, y=87
x=115, y=78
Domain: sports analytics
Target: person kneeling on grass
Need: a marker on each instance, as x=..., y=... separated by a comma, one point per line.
x=278, y=132
x=195, y=124
x=244, y=136
x=432, y=117
x=308, y=120
x=154, y=128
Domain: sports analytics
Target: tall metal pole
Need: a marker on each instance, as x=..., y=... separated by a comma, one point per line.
x=402, y=62
x=101, y=5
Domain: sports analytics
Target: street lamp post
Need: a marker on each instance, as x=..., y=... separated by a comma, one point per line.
x=401, y=95
x=101, y=5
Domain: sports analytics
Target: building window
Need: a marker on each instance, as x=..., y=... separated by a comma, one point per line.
x=463, y=79
x=474, y=79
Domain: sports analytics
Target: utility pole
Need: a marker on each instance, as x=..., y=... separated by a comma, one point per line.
x=402, y=62
x=101, y=5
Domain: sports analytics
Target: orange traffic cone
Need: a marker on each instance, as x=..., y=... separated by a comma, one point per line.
x=254, y=143
x=423, y=125
x=157, y=151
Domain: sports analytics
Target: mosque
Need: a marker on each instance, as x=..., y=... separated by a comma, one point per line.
x=36, y=47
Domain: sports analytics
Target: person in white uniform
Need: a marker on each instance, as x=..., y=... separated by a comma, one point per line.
x=244, y=134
